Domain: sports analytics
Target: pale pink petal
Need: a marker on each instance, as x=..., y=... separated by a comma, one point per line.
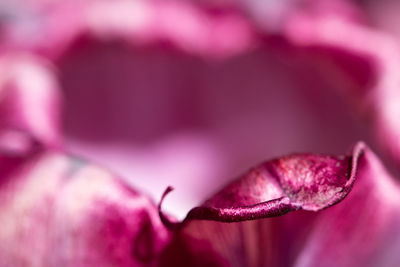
x=29, y=100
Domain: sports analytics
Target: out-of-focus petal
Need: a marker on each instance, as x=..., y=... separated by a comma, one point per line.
x=365, y=64
x=382, y=15
x=205, y=98
x=60, y=211
x=29, y=100
x=141, y=22
x=359, y=231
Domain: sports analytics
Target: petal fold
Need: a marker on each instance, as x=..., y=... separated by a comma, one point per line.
x=361, y=230
x=273, y=188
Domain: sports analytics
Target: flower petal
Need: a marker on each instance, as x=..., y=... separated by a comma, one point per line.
x=365, y=70
x=60, y=211
x=300, y=181
x=29, y=100
x=161, y=87
x=360, y=230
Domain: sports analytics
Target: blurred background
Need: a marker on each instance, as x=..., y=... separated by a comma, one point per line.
x=193, y=93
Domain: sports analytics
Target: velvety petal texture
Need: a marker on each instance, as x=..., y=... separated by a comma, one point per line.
x=190, y=94
x=308, y=182
x=360, y=231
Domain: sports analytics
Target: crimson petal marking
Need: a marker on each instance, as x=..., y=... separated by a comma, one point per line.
x=362, y=230
x=272, y=208
x=301, y=181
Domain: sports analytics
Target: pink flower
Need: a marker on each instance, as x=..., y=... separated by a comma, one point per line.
x=191, y=94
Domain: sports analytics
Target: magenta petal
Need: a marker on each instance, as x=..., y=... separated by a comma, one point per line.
x=161, y=72
x=361, y=230
x=300, y=181
x=365, y=69
x=59, y=211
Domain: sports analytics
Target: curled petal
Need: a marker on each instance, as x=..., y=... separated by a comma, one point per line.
x=361, y=230
x=300, y=181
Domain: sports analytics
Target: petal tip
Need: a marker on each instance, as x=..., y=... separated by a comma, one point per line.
x=300, y=181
